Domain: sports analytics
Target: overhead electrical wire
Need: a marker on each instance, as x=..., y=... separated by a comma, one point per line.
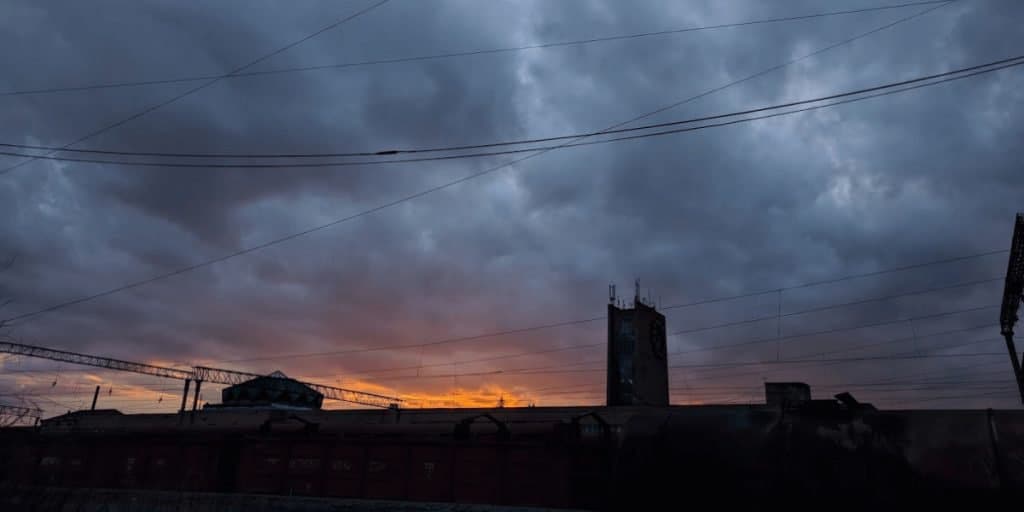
x=771, y=362
x=832, y=331
x=452, y=183
x=526, y=370
x=374, y=372
x=858, y=347
x=478, y=360
x=533, y=370
x=946, y=371
x=1009, y=393
x=767, y=362
x=900, y=379
x=916, y=386
x=835, y=330
x=805, y=358
x=398, y=60
x=837, y=306
x=853, y=96
x=848, y=277
x=506, y=143
x=910, y=386
x=706, y=376
x=868, y=384
x=212, y=81
x=754, y=394
x=814, y=360
x=733, y=375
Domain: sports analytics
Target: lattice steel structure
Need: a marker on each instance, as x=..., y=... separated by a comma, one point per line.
x=64, y=356
x=232, y=377
x=199, y=374
x=12, y=414
x=1013, y=292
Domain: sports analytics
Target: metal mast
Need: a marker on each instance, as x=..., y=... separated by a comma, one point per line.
x=1013, y=292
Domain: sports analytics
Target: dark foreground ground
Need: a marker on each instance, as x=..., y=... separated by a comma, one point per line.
x=115, y=500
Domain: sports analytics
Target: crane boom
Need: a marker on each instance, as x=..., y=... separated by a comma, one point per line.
x=198, y=374
x=97, y=361
x=1013, y=292
x=231, y=377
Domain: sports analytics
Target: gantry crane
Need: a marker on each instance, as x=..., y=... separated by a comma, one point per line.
x=199, y=374
x=1013, y=292
x=232, y=377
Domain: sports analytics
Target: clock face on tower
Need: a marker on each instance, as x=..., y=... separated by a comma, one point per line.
x=657, y=338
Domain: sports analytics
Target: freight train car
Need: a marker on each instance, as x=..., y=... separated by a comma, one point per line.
x=614, y=457
x=532, y=465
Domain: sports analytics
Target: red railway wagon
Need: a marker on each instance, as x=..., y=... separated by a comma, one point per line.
x=16, y=455
x=85, y=460
x=344, y=471
x=419, y=463
x=119, y=462
x=164, y=465
x=430, y=473
x=418, y=470
x=305, y=471
x=385, y=471
x=261, y=468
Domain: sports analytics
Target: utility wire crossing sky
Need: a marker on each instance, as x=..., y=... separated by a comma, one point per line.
x=496, y=279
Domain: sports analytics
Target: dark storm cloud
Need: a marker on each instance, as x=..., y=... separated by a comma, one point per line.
x=925, y=175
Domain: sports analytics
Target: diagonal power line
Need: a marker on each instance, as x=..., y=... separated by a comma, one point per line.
x=770, y=362
x=204, y=85
x=559, y=369
x=888, y=89
x=813, y=334
x=804, y=356
x=398, y=60
x=883, y=90
x=581, y=321
x=806, y=360
x=818, y=309
x=759, y=341
x=449, y=184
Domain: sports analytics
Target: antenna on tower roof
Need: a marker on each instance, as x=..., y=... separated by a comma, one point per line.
x=611, y=293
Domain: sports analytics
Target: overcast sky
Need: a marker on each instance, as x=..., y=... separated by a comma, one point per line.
x=916, y=177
